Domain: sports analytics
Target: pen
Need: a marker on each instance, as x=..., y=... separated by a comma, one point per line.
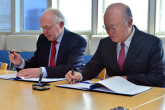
x=40, y=79
x=13, y=52
x=72, y=75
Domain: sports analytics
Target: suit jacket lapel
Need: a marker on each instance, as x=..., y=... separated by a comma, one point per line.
x=43, y=51
x=112, y=58
x=134, y=49
x=62, y=47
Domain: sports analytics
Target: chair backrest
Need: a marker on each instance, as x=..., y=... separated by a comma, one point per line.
x=102, y=74
x=4, y=66
x=26, y=55
x=4, y=56
x=87, y=58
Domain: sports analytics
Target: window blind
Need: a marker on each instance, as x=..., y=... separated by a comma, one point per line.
x=5, y=16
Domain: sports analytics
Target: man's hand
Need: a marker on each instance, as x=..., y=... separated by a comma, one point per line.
x=15, y=58
x=75, y=77
x=29, y=73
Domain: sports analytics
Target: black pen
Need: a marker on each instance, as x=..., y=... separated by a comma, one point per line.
x=72, y=75
x=40, y=78
x=13, y=52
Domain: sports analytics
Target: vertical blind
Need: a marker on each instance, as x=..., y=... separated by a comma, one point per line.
x=5, y=16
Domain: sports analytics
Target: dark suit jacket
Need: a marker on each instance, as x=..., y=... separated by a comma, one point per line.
x=71, y=51
x=143, y=65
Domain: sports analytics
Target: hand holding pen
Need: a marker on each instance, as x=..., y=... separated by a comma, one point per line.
x=15, y=58
x=13, y=52
x=72, y=76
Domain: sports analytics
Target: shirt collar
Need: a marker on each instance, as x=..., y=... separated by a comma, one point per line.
x=128, y=41
x=60, y=38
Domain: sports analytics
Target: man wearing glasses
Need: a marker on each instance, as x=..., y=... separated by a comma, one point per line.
x=127, y=52
x=58, y=50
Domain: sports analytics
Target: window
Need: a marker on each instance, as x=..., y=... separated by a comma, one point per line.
x=77, y=13
x=160, y=17
x=5, y=16
x=32, y=12
x=82, y=16
x=139, y=12
x=28, y=19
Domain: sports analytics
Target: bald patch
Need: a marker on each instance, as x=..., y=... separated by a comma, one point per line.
x=119, y=8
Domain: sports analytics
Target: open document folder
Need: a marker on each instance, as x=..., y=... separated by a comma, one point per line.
x=117, y=85
x=13, y=77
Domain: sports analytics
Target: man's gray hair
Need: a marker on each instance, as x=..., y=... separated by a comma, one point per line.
x=57, y=14
x=128, y=13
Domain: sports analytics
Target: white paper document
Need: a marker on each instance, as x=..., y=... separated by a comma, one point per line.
x=8, y=76
x=117, y=85
x=13, y=77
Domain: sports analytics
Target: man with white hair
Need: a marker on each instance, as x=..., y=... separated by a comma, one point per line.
x=58, y=50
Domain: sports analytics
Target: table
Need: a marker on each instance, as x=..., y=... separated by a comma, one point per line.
x=18, y=95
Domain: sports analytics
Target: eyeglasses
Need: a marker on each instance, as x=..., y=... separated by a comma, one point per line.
x=111, y=28
x=47, y=27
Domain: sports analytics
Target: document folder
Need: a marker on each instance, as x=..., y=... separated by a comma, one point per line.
x=116, y=85
x=13, y=77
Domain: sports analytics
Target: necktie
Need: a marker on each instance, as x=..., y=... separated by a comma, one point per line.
x=53, y=52
x=121, y=56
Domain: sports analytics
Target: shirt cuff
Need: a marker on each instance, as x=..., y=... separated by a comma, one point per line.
x=81, y=77
x=22, y=64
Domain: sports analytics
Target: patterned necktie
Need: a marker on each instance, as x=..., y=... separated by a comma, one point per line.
x=53, y=52
x=121, y=56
